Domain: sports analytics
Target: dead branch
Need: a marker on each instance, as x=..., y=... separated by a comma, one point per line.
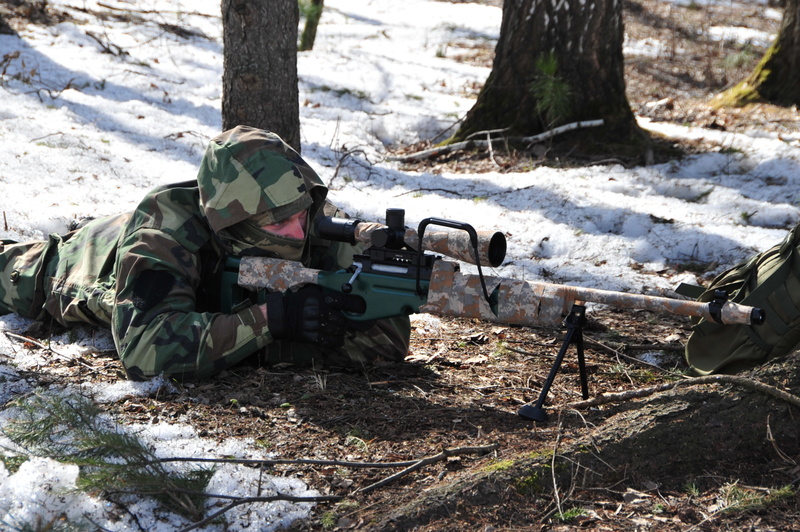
x=409, y=466
x=553, y=467
x=487, y=132
x=154, y=12
x=238, y=501
x=416, y=190
x=107, y=48
x=298, y=461
x=487, y=144
x=744, y=382
x=430, y=460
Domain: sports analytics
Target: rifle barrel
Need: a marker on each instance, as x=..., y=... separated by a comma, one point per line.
x=452, y=293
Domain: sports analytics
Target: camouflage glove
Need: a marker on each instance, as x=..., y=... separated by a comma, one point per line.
x=308, y=315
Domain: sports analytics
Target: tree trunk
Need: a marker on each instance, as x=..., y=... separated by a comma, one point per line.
x=776, y=78
x=259, y=79
x=312, y=21
x=584, y=37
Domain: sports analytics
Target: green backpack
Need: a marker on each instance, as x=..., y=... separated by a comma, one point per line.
x=770, y=281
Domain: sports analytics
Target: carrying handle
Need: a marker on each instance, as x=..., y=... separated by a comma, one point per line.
x=473, y=238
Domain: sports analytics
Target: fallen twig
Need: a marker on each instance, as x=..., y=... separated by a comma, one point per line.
x=155, y=12
x=107, y=47
x=491, y=151
x=409, y=466
x=744, y=382
x=440, y=150
x=298, y=461
x=770, y=438
x=430, y=460
x=50, y=349
x=487, y=132
x=418, y=190
x=238, y=501
x=553, y=467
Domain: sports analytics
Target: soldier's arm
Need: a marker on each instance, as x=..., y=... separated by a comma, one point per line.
x=156, y=326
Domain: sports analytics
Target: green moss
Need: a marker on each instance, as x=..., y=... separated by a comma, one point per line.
x=499, y=465
x=541, y=455
x=569, y=515
x=748, y=91
x=741, y=95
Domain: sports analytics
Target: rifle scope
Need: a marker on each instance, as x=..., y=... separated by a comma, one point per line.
x=459, y=245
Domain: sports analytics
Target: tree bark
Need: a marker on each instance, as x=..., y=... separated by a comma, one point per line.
x=584, y=37
x=776, y=78
x=259, y=80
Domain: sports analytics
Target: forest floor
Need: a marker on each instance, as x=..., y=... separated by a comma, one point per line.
x=464, y=381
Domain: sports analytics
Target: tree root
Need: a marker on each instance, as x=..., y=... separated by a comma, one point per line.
x=487, y=144
x=430, y=460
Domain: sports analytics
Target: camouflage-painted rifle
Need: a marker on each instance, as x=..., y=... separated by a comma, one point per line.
x=401, y=273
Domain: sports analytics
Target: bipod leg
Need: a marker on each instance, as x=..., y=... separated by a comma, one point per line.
x=574, y=323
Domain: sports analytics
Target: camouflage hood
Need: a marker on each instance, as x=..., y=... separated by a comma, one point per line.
x=247, y=172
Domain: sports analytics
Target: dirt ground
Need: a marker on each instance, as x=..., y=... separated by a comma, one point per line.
x=464, y=381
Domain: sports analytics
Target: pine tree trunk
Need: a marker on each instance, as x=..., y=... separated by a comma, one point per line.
x=776, y=78
x=259, y=80
x=310, y=30
x=584, y=36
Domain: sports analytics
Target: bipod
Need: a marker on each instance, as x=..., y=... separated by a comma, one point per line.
x=574, y=323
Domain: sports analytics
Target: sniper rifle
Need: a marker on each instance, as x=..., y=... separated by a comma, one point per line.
x=401, y=272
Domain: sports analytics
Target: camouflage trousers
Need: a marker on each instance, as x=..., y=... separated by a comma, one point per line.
x=35, y=282
x=69, y=278
x=22, y=277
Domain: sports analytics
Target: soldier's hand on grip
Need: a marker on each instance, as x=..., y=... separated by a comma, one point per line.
x=309, y=315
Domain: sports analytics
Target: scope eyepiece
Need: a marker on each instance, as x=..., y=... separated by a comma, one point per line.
x=337, y=229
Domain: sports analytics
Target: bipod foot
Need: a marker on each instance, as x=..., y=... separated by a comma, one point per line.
x=533, y=412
